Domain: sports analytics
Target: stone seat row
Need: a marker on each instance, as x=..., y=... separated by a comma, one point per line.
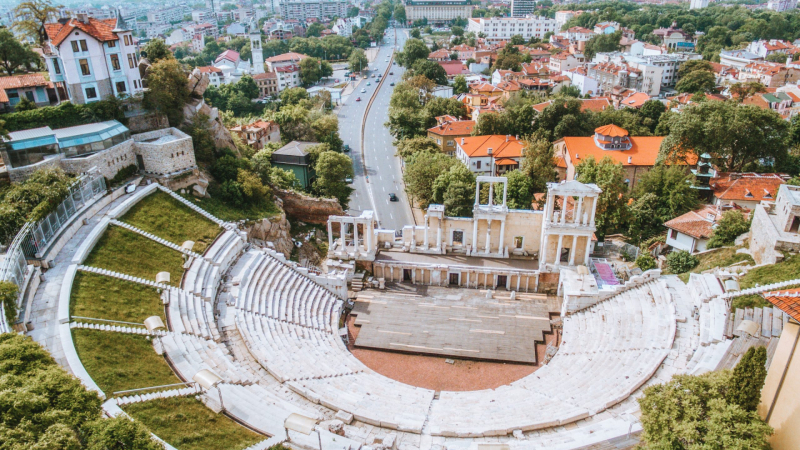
x=273, y=289
x=153, y=237
x=293, y=352
x=189, y=354
x=122, y=276
x=138, y=398
x=204, y=274
x=575, y=384
x=116, y=328
x=196, y=208
x=189, y=313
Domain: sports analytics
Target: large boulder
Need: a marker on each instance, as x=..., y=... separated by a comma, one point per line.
x=198, y=83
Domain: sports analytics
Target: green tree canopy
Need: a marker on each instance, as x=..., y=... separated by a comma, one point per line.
x=332, y=168
x=455, y=189
x=539, y=163
x=421, y=171
x=430, y=70
x=748, y=379
x=411, y=146
x=13, y=54
x=30, y=17
x=460, y=85
x=357, y=60
x=661, y=194
x=608, y=175
x=156, y=50
x=167, y=90
x=310, y=71
x=602, y=43
x=520, y=190
x=728, y=228
x=413, y=50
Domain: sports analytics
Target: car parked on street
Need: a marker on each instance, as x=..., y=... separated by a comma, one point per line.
x=392, y=197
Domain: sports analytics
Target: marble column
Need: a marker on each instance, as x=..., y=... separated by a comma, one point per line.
x=573, y=250
x=474, y=235
x=588, y=250
x=502, y=236
x=426, y=231
x=342, y=232
x=558, y=249
x=488, y=235
x=355, y=237
x=330, y=235
x=576, y=217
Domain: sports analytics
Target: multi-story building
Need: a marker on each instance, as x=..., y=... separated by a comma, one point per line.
x=503, y=28
x=288, y=76
x=737, y=58
x=522, y=8
x=438, y=11
x=564, y=61
x=697, y=4
x=491, y=155
x=313, y=9
x=674, y=38
x=93, y=58
x=284, y=59
x=765, y=48
x=259, y=133
x=267, y=84
x=610, y=75
x=215, y=75
x=448, y=131
x=205, y=29
x=769, y=74
x=170, y=14
x=782, y=5
x=562, y=17
x=668, y=63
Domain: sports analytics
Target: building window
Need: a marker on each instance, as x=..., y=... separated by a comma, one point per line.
x=84, y=47
x=121, y=87
x=479, y=164
x=91, y=93
x=84, y=67
x=112, y=44
x=56, y=67
x=115, y=62
x=130, y=61
x=673, y=234
x=75, y=46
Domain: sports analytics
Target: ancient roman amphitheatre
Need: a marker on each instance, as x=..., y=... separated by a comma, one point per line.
x=248, y=334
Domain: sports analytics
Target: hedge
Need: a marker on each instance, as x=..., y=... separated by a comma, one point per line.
x=65, y=115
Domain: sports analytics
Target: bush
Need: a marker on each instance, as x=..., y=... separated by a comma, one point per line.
x=31, y=200
x=66, y=115
x=748, y=379
x=681, y=261
x=730, y=226
x=231, y=192
x=123, y=174
x=645, y=262
x=8, y=297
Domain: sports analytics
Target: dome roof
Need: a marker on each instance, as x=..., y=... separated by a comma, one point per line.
x=611, y=130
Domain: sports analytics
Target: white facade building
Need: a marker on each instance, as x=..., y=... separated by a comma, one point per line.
x=503, y=28
x=697, y=4
x=257, y=52
x=93, y=58
x=782, y=5
x=522, y=8
x=168, y=15
x=313, y=9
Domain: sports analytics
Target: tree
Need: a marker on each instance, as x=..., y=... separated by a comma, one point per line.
x=741, y=91
x=460, y=85
x=681, y=261
x=13, y=54
x=735, y=136
x=609, y=176
x=400, y=14
x=492, y=123
x=293, y=96
x=332, y=168
x=455, y=189
x=645, y=262
x=661, y=194
x=120, y=434
x=691, y=412
x=650, y=113
x=357, y=60
x=9, y=292
x=457, y=31
x=748, y=379
x=602, y=43
x=25, y=105
x=730, y=226
x=519, y=189
x=414, y=33
x=167, y=90
x=694, y=65
x=777, y=57
x=439, y=106
x=156, y=50
x=430, y=70
x=411, y=146
x=508, y=59
x=314, y=30
x=413, y=50
x=697, y=82
x=421, y=171
x=31, y=16
x=310, y=71
x=539, y=163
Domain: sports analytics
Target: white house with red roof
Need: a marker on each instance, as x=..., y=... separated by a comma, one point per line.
x=284, y=59
x=215, y=75
x=491, y=155
x=233, y=67
x=92, y=58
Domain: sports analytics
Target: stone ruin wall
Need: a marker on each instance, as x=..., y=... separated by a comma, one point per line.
x=308, y=209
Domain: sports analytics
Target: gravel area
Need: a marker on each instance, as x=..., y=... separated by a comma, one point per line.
x=434, y=373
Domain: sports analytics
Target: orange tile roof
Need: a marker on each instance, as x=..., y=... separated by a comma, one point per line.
x=98, y=29
x=502, y=146
x=611, y=130
x=209, y=69
x=457, y=128
x=265, y=76
x=636, y=100
x=747, y=186
x=285, y=57
x=593, y=104
x=787, y=301
x=505, y=162
x=698, y=224
x=23, y=81
x=644, y=150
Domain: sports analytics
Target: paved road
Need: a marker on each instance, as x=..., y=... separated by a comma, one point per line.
x=382, y=166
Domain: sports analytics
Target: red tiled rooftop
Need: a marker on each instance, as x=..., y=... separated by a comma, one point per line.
x=98, y=29
x=787, y=300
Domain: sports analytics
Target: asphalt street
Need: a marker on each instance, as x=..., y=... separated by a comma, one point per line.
x=383, y=173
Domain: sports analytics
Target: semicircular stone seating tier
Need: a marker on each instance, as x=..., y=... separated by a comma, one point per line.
x=289, y=325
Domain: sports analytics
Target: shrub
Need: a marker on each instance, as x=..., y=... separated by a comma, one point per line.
x=31, y=200
x=748, y=379
x=730, y=226
x=645, y=262
x=123, y=174
x=66, y=115
x=8, y=297
x=231, y=192
x=681, y=261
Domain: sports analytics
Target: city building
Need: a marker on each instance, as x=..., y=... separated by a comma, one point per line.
x=437, y=11
x=92, y=58
x=448, y=131
x=611, y=75
x=745, y=190
x=267, y=83
x=668, y=63
x=294, y=158
x=499, y=29
x=697, y=4
x=284, y=59
x=171, y=14
x=215, y=76
x=257, y=53
x=691, y=231
x=233, y=67
x=313, y=9
x=673, y=38
x=765, y=48
x=782, y=5
x=491, y=155
x=522, y=8
x=737, y=58
x=288, y=76
x=562, y=17
x=259, y=133
x=637, y=154
x=564, y=61
x=771, y=75
x=33, y=87
x=775, y=228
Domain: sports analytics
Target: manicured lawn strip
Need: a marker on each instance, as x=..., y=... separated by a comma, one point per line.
x=228, y=212
x=118, y=362
x=124, y=251
x=788, y=269
x=170, y=219
x=103, y=297
x=187, y=424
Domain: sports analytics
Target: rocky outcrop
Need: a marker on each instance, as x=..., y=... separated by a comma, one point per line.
x=198, y=83
x=308, y=209
x=276, y=230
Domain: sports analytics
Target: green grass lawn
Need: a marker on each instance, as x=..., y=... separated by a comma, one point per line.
x=170, y=219
x=124, y=251
x=103, y=297
x=225, y=211
x=720, y=258
x=118, y=361
x=187, y=424
x=788, y=269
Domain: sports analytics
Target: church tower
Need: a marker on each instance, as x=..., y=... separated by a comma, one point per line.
x=257, y=51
